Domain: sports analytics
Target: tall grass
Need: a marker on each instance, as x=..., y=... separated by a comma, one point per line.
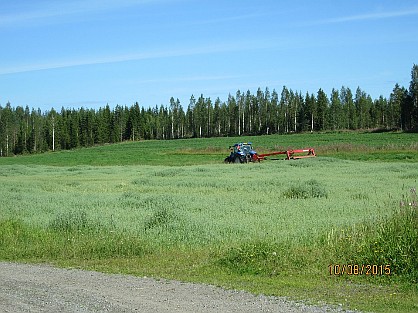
x=384, y=241
x=309, y=189
x=388, y=243
x=217, y=202
x=278, y=207
x=19, y=240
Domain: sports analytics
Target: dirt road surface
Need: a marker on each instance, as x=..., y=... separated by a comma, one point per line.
x=42, y=288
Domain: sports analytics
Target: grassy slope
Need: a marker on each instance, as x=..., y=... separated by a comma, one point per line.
x=111, y=193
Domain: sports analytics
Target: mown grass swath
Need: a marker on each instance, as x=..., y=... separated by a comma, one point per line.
x=271, y=227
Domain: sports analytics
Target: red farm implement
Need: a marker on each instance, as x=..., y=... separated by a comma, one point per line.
x=243, y=152
x=290, y=154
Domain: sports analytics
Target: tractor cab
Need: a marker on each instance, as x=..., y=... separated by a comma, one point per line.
x=243, y=148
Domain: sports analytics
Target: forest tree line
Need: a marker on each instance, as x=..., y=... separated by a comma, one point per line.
x=24, y=130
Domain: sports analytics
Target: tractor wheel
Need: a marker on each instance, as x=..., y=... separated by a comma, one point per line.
x=240, y=159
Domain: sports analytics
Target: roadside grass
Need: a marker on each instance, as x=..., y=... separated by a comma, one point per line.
x=271, y=227
x=198, y=266
x=281, y=269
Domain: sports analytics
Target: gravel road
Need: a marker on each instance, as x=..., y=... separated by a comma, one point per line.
x=42, y=288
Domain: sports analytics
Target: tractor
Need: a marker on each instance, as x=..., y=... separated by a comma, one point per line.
x=241, y=153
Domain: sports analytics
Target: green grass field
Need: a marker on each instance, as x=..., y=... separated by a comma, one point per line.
x=387, y=147
x=172, y=209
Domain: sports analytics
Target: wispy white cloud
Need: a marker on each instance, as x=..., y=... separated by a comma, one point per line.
x=231, y=18
x=20, y=16
x=368, y=16
x=117, y=58
x=189, y=79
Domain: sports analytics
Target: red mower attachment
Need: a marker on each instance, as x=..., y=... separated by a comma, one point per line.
x=290, y=154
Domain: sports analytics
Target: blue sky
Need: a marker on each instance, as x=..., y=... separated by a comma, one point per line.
x=95, y=52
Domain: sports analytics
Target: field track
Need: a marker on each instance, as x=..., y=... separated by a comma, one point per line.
x=41, y=288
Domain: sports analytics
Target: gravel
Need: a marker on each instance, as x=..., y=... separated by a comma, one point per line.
x=42, y=288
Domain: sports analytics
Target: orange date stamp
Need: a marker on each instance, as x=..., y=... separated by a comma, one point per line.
x=359, y=269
